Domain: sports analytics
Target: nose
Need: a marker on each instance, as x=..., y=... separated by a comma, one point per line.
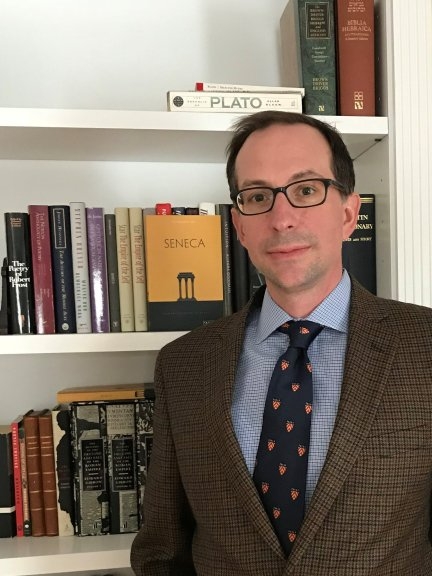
x=283, y=215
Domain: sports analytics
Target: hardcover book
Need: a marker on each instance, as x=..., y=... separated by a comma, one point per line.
x=359, y=251
x=144, y=410
x=34, y=472
x=62, y=440
x=46, y=443
x=138, y=268
x=124, y=269
x=224, y=211
x=61, y=250
x=355, y=57
x=112, y=272
x=4, y=329
x=309, y=53
x=121, y=443
x=100, y=392
x=16, y=463
x=7, y=494
x=238, y=102
x=27, y=527
x=184, y=271
x=20, y=283
x=214, y=87
x=42, y=269
x=88, y=424
x=97, y=270
x=80, y=267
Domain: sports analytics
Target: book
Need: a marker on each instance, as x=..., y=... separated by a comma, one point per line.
x=238, y=102
x=42, y=269
x=127, y=319
x=27, y=528
x=207, y=208
x=144, y=410
x=112, y=272
x=4, y=329
x=214, y=87
x=309, y=53
x=62, y=266
x=88, y=429
x=224, y=210
x=122, y=469
x=80, y=263
x=34, y=473
x=240, y=271
x=62, y=440
x=7, y=493
x=16, y=463
x=359, y=251
x=46, y=443
x=163, y=208
x=184, y=271
x=99, y=304
x=101, y=392
x=20, y=284
x=138, y=269
x=355, y=35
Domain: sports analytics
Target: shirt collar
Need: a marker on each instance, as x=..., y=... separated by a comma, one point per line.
x=333, y=312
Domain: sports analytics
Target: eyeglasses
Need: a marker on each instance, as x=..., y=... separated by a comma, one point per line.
x=300, y=194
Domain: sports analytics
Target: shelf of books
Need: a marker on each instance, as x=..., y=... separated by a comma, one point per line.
x=61, y=555
x=85, y=343
x=55, y=134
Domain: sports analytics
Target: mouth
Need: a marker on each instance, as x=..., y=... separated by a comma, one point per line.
x=288, y=251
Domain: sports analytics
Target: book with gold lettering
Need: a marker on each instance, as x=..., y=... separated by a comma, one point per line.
x=184, y=271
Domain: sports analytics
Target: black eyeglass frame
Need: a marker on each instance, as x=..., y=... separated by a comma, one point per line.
x=283, y=189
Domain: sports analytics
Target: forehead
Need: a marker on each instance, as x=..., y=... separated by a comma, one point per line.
x=284, y=148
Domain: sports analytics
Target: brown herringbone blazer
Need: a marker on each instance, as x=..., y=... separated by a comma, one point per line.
x=370, y=513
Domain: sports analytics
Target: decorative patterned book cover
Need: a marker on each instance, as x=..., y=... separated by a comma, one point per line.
x=80, y=267
x=46, y=443
x=121, y=442
x=112, y=272
x=184, y=271
x=359, y=251
x=97, y=270
x=20, y=283
x=24, y=479
x=124, y=269
x=62, y=440
x=34, y=472
x=88, y=425
x=138, y=268
x=61, y=250
x=42, y=269
x=355, y=33
x=16, y=463
x=144, y=410
x=309, y=53
x=7, y=493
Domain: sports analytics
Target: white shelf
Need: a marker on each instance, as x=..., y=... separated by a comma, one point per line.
x=50, y=134
x=85, y=343
x=36, y=556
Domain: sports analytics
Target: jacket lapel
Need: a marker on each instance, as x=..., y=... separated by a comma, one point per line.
x=370, y=352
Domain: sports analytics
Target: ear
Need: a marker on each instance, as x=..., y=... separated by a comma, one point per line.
x=237, y=222
x=351, y=209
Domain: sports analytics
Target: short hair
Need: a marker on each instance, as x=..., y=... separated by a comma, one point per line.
x=342, y=164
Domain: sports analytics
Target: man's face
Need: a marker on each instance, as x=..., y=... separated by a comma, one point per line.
x=297, y=249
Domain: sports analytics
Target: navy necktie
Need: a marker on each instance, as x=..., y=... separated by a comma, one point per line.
x=282, y=457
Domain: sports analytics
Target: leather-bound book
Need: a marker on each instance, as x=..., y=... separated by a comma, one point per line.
x=48, y=473
x=34, y=473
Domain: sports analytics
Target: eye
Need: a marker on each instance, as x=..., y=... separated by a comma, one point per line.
x=256, y=196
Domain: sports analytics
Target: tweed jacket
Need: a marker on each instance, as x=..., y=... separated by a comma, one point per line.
x=370, y=514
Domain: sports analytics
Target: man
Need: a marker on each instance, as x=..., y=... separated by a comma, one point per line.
x=367, y=496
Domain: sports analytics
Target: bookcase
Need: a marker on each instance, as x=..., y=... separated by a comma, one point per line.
x=113, y=157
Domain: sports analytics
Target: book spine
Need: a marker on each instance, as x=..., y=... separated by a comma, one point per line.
x=359, y=251
x=318, y=55
x=63, y=470
x=214, y=87
x=207, y=208
x=144, y=410
x=46, y=442
x=112, y=273
x=7, y=495
x=124, y=269
x=20, y=286
x=138, y=269
x=97, y=270
x=224, y=210
x=80, y=267
x=355, y=57
x=61, y=251
x=34, y=473
x=240, y=275
x=90, y=469
x=17, y=476
x=42, y=269
x=123, y=495
x=4, y=329
x=233, y=102
x=24, y=481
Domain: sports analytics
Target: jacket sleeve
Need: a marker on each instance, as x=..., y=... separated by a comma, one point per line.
x=162, y=547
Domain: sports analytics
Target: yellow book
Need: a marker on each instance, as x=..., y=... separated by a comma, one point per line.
x=184, y=271
x=138, y=268
x=127, y=319
x=101, y=392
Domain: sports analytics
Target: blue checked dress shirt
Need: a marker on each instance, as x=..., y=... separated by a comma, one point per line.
x=263, y=345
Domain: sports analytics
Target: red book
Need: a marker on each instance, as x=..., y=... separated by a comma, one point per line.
x=355, y=57
x=34, y=473
x=17, y=475
x=42, y=269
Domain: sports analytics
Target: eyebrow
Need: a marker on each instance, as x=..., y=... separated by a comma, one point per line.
x=302, y=175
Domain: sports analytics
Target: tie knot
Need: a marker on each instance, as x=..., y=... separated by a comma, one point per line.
x=301, y=333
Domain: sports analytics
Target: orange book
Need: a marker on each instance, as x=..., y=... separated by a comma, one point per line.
x=101, y=392
x=184, y=271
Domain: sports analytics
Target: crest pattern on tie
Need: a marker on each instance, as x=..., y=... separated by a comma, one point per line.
x=282, y=456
